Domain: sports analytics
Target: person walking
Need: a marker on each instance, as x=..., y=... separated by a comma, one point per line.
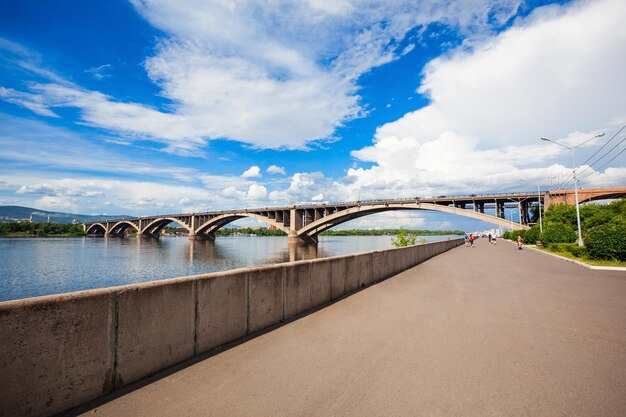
x=466, y=240
x=471, y=240
x=520, y=242
x=489, y=237
x=493, y=239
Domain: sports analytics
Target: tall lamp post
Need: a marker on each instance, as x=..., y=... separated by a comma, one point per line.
x=580, y=236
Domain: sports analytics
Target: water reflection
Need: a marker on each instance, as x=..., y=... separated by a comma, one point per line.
x=32, y=267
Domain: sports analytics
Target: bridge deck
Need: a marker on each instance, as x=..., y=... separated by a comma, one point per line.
x=483, y=331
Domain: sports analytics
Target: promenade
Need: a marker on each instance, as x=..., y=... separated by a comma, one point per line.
x=484, y=331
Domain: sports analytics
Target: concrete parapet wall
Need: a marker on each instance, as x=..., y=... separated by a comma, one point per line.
x=57, y=352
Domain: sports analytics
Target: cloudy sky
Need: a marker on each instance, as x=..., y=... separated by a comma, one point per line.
x=154, y=106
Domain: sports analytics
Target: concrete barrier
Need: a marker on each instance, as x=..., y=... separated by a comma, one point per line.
x=338, y=271
x=265, y=296
x=222, y=314
x=55, y=352
x=60, y=351
x=155, y=328
x=297, y=288
x=321, y=282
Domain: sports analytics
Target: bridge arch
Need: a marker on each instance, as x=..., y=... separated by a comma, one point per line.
x=156, y=225
x=211, y=226
x=327, y=222
x=587, y=197
x=96, y=229
x=121, y=226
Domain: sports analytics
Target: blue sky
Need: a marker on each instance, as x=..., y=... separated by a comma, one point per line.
x=154, y=106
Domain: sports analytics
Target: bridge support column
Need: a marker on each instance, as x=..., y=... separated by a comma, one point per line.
x=500, y=210
x=201, y=236
x=146, y=235
x=302, y=240
x=296, y=222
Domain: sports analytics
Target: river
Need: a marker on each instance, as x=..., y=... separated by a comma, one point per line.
x=32, y=267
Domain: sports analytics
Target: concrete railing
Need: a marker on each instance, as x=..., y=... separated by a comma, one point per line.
x=59, y=351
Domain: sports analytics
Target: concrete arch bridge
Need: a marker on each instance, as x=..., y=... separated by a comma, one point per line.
x=305, y=222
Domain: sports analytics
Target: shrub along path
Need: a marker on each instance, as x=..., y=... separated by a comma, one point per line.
x=477, y=331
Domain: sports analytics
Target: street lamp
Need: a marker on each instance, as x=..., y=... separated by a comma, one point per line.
x=580, y=236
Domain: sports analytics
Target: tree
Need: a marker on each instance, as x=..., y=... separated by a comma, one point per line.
x=607, y=241
x=403, y=238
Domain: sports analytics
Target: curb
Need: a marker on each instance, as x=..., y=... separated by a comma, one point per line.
x=597, y=268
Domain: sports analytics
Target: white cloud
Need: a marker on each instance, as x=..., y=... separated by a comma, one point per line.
x=257, y=192
x=101, y=195
x=271, y=76
x=390, y=219
x=100, y=72
x=274, y=169
x=232, y=192
x=33, y=102
x=528, y=82
x=71, y=151
x=491, y=103
x=252, y=172
x=43, y=189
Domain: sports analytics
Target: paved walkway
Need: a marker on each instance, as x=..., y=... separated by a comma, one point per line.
x=484, y=331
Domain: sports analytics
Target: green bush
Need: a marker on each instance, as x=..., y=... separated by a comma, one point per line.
x=557, y=233
x=513, y=234
x=607, y=241
x=579, y=251
x=531, y=235
x=403, y=238
x=561, y=213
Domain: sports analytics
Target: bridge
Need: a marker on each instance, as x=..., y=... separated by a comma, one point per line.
x=303, y=223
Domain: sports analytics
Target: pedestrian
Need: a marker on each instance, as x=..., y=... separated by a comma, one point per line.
x=471, y=240
x=520, y=242
x=493, y=239
x=489, y=237
x=466, y=240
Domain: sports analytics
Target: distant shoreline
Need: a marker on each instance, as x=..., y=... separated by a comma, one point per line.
x=39, y=230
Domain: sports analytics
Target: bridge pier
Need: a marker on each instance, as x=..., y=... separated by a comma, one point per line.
x=201, y=236
x=302, y=240
x=146, y=235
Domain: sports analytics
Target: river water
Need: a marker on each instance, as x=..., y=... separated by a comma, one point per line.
x=32, y=267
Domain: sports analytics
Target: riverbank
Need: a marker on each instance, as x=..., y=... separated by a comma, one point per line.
x=29, y=235
x=349, y=232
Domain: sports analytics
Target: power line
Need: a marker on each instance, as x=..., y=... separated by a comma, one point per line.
x=609, y=141
x=609, y=151
x=607, y=162
x=571, y=177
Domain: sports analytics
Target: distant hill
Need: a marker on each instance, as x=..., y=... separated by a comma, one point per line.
x=15, y=213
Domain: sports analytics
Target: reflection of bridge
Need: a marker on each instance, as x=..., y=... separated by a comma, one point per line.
x=303, y=223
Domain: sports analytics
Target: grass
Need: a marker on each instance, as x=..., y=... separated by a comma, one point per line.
x=594, y=262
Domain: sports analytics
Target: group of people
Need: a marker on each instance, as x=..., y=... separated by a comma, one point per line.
x=469, y=239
